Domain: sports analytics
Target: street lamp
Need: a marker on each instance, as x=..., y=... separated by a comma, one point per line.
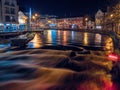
x=86, y=21
x=111, y=17
x=35, y=17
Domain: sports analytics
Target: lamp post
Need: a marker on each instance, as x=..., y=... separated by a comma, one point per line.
x=35, y=17
x=111, y=17
x=86, y=20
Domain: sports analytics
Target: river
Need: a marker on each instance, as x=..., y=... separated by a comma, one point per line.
x=62, y=37
x=45, y=69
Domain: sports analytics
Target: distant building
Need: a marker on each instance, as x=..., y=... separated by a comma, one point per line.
x=75, y=22
x=22, y=20
x=8, y=15
x=99, y=19
x=90, y=25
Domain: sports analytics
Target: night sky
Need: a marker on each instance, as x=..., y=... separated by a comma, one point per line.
x=64, y=8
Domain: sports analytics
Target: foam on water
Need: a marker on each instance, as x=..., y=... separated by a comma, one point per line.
x=53, y=70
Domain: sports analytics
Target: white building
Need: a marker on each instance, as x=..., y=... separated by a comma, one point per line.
x=22, y=19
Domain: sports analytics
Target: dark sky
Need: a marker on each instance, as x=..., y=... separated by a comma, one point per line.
x=62, y=8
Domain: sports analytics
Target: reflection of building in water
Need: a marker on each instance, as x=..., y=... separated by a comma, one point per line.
x=36, y=42
x=73, y=35
x=52, y=37
x=109, y=45
x=49, y=36
x=64, y=37
x=98, y=38
x=85, y=39
x=58, y=34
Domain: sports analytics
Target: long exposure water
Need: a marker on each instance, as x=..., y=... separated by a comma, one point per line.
x=62, y=69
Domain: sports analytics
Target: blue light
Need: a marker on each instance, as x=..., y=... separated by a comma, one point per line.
x=30, y=13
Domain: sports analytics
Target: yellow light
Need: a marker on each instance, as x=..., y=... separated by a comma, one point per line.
x=36, y=14
x=49, y=21
x=85, y=40
x=111, y=15
x=33, y=17
x=86, y=19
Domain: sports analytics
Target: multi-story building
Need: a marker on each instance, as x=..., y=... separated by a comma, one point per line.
x=8, y=15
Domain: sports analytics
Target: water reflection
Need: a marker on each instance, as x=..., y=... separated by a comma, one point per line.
x=36, y=42
x=49, y=36
x=98, y=38
x=62, y=37
x=4, y=45
x=85, y=40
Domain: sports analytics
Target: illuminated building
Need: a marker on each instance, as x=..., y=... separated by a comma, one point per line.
x=8, y=15
x=75, y=22
x=22, y=19
x=99, y=19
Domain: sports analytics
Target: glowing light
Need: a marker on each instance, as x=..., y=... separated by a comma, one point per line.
x=98, y=38
x=86, y=19
x=113, y=57
x=85, y=39
x=36, y=14
x=64, y=37
x=49, y=36
x=111, y=15
x=1, y=24
x=33, y=17
x=30, y=13
x=36, y=42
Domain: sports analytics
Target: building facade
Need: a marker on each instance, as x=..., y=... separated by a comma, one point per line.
x=99, y=18
x=8, y=15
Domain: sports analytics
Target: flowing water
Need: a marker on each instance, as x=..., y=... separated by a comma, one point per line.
x=60, y=69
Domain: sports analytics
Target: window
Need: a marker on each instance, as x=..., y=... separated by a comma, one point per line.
x=13, y=19
x=7, y=10
x=7, y=2
x=7, y=18
x=12, y=11
x=12, y=3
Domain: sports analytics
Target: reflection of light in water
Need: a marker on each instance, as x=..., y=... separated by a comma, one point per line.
x=58, y=34
x=4, y=45
x=109, y=45
x=59, y=37
x=49, y=36
x=85, y=40
x=64, y=37
x=36, y=42
x=73, y=35
x=98, y=38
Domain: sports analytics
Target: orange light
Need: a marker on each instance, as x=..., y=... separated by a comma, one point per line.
x=113, y=57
